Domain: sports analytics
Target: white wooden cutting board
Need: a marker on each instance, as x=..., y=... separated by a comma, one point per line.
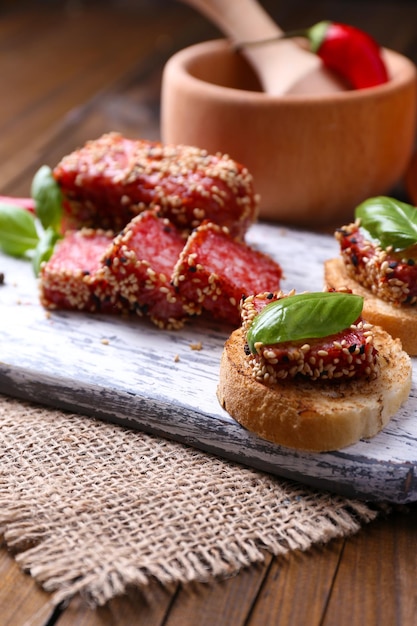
x=131, y=373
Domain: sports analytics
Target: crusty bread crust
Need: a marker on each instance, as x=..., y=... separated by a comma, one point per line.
x=398, y=321
x=315, y=416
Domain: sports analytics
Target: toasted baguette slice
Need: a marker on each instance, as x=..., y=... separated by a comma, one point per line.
x=314, y=416
x=399, y=321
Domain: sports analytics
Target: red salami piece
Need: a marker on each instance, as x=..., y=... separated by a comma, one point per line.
x=251, y=306
x=347, y=355
x=216, y=271
x=112, y=179
x=70, y=280
x=392, y=276
x=139, y=264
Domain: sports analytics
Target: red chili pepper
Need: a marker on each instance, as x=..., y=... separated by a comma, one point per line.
x=350, y=52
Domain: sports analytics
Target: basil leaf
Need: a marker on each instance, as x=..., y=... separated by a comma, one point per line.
x=304, y=316
x=18, y=233
x=48, y=198
x=389, y=221
x=45, y=248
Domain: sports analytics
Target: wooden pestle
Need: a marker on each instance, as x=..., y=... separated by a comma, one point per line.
x=282, y=66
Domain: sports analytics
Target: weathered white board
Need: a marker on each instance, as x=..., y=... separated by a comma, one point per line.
x=131, y=373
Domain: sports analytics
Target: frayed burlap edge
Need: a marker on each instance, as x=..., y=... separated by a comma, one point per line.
x=91, y=508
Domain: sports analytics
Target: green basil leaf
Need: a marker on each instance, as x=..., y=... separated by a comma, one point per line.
x=48, y=198
x=304, y=316
x=389, y=221
x=18, y=233
x=45, y=248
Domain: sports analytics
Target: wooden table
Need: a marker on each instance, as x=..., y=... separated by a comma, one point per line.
x=70, y=71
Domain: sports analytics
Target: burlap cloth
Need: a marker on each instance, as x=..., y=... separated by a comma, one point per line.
x=89, y=507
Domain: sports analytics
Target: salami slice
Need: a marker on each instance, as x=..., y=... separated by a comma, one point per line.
x=70, y=279
x=216, y=271
x=139, y=264
x=111, y=179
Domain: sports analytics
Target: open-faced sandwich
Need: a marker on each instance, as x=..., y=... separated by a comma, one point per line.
x=379, y=262
x=307, y=371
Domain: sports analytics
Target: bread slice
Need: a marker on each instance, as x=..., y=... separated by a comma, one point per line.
x=399, y=321
x=314, y=416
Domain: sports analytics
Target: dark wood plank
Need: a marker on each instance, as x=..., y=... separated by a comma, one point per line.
x=375, y=583
x=149, y=607
x=297, y=588
x=22, y=601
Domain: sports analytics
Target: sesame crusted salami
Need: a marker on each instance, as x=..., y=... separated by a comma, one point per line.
x=70, y=279
x=92, y=270
x=392, y=276
x=349, y=354
x=216, y=271
x=139, y=264
x=111, y=179
x=151, y=269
